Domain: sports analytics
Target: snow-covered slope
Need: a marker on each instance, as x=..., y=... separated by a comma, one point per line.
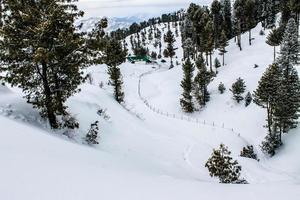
x=144, y=154
x=114, y=23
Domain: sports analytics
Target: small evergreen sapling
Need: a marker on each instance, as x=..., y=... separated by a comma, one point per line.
x=221, y=88
x=217, y=63
x=92, y=135
x=248, y=99
x=221, y=165
x=238, y=88
x=248, y=152
x=270, y=144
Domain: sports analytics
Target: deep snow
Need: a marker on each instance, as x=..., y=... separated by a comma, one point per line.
x=142, y=154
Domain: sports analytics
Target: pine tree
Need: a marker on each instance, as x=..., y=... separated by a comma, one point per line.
x=250, y=17
x=238, y=88
x=209, y=43
x=217, y=63
x=266, y=93
x=92, y=135
x=239, y=19
x=248, y=152
x=217, y=21
x=221, y=88
x=223, y=44
x=170, y=50
x=248, y=99
x=186, y=101
x=201, y=82
x=274, y=39
x=115, y=55
x=287, y=105
x=227, y=15
x=43, y=53
x=221, y=165
x=188, y=48
x=269, y=14
x=288, y=100
x=270, y=144
x=289, y=51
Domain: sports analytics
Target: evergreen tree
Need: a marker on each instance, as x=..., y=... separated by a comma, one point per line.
x=270, y=144
x=92, y=135
x=186, y=101
x=221, y=88
x=250, y=21
x=201, y=82
x=170, y=50
x=217, y=21
x=209, y=43
x=274, y=39
x=43, y=53
x=227, y=15
x=266, y=93
x=289, y=51
x=269, y=14
x=217, y=64
x=248, y=99
x=238, y=88
x=221, y=165
x=248, y=152
x=223, y=44
x=239, y=19
x=287, y=105
x=115, y=55
x=188, y=48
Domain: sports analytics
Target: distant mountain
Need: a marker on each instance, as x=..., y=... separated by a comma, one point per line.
x=113, y=23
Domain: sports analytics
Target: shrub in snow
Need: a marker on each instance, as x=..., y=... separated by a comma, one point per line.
x=248, y=152
x=217, y=63
x=261, y=32
x=154, y=55
x=221, y=88
x=270, y=144
x=92, y=135
x=221, y=165
x=70, y=122
x=238, y=88
x=163, y=61
x=102, y=112
x=248, y=99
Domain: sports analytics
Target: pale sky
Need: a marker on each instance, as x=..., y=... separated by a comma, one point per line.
x=121, y=8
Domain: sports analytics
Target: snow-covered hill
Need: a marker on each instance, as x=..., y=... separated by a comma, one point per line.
x=146, y=152
x=114, y=23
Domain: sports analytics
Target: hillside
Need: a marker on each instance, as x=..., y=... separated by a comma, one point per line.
x=142, y=154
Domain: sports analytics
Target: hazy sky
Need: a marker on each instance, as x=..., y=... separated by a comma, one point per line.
x=122, y=8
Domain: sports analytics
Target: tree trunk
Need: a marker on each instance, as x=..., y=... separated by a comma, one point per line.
x=223, y=59
x=48, y=103
x=274, y=53
x=250, y=39
x=206, y=53
x=239, y=42
x=269, y=120
x=210, y=62
x=59, y=96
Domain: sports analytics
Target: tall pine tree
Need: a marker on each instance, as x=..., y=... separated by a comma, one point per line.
x=115, y=55
x=43, y=53
x=186, y=101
